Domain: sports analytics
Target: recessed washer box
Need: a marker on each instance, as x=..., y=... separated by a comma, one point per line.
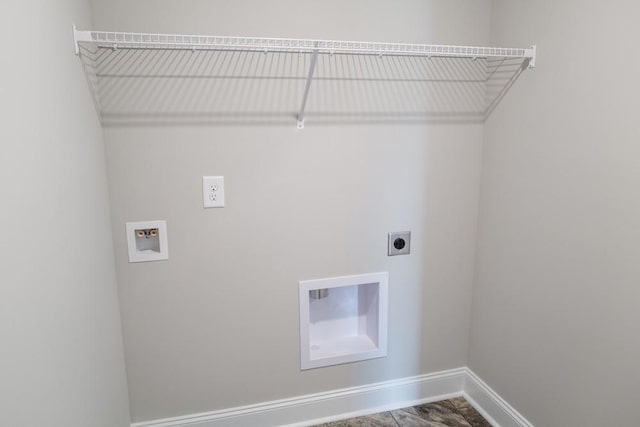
x=346, y=323
x=147, y=241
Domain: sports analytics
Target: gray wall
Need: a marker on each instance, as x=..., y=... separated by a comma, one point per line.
x=61, y=344
x=555, y=313
x=216, y=325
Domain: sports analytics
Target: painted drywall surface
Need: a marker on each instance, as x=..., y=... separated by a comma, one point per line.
x=555, y=314
x=216, y=326
x=61, y=351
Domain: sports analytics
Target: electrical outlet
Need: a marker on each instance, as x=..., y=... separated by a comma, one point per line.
x=399, y=243
x=213, y=191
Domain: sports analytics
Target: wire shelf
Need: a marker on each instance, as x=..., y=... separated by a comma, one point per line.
x=166, y=78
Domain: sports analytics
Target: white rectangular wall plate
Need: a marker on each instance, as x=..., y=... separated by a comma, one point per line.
x=147, y=241
x=213, y=191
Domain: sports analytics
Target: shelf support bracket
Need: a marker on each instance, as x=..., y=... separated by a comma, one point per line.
x=75, y=41
x=80, y=36
x=312, y=69
x=532, y=55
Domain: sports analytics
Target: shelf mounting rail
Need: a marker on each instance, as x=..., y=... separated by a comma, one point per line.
x=312, y=68
x=128, y=40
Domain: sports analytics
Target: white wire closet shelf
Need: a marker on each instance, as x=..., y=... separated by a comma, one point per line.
x=138, y=78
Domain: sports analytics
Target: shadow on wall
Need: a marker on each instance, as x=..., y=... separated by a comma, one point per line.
x=167, y=86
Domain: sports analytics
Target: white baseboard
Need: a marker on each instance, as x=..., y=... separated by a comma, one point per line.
x=350, y=402
x=491, y=405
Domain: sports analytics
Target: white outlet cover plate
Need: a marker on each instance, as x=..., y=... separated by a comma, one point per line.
x=213, y=191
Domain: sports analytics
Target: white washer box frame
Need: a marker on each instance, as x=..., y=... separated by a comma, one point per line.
x=137, y=256
x=381, y=279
